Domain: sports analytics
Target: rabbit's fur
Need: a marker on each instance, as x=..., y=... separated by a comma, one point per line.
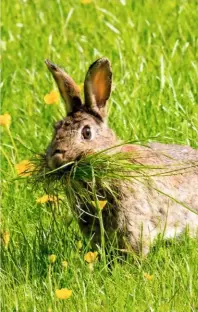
x=145, y=208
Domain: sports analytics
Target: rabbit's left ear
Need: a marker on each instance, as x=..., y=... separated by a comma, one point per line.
x=97, y=86
x=69, y=90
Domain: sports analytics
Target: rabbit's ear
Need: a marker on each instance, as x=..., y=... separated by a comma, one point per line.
x=69, y=90
x=97, y=86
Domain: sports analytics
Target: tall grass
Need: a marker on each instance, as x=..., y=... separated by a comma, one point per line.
x=152, y=46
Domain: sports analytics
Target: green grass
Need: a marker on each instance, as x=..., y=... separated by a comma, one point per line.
x=153, y=49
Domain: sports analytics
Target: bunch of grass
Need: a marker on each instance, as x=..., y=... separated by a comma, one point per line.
x=98, y=168
x=93, y=175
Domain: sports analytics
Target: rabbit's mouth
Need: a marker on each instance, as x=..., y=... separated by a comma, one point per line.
x=59, y=162
x=59, y=166
x=56, y=160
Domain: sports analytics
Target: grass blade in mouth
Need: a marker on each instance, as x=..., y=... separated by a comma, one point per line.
x=107, y=168
x=60, y=168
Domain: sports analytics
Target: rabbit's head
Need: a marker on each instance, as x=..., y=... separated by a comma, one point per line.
x=84, y=130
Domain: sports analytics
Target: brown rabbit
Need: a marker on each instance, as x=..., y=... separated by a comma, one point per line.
x=162, y=204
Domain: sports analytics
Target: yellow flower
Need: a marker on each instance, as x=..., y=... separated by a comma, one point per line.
x=5, y=120
x=65, y=264
x=91, y=257
x=148, y=276
x=86, y=1
x=24, y=168
x=52, y=97
x=6, y=239
x=46, y=198
x=52, y=258
x=100, y=204
x=63, y=293
x=79, y=244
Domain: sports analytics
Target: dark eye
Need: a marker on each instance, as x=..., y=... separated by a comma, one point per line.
x=86, y=133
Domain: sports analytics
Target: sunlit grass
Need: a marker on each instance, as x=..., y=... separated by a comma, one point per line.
x=153, y=50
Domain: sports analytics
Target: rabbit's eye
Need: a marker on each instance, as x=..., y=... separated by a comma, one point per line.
x=86, y=133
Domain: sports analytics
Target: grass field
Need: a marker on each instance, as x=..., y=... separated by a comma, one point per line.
x=153, y=48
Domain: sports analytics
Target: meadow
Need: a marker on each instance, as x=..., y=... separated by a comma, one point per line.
x=153, y=48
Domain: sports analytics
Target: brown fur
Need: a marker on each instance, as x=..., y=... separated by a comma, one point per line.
x=146, y=207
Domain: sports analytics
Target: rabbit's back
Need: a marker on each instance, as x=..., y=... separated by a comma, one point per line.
x=175, y=153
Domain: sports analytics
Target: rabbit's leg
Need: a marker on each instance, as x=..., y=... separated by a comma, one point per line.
x=141, y=237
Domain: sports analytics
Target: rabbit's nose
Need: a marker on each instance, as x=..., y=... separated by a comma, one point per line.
x=58, y=151
x=56, y=159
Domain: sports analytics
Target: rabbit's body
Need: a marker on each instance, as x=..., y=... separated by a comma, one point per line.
x=164, y=200
x=156, y=205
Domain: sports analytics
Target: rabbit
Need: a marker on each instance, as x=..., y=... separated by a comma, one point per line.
x=164, y=204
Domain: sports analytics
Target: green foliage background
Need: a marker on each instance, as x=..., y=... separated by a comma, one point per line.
x=153, y=48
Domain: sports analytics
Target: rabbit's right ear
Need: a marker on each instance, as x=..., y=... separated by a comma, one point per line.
x=69, y=90
x=97, y=86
